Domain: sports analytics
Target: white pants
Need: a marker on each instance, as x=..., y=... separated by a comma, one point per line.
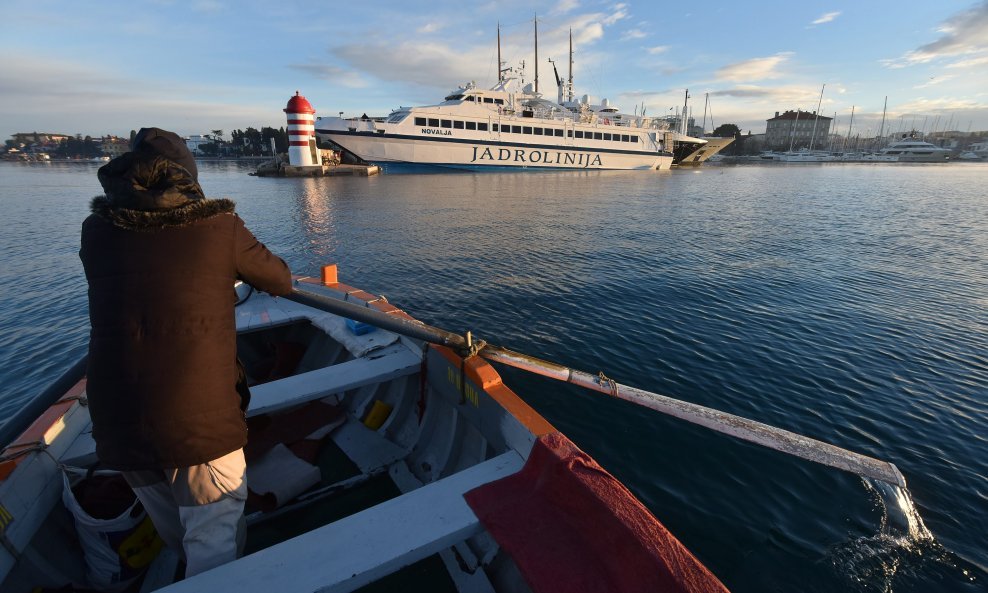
x=199, y=510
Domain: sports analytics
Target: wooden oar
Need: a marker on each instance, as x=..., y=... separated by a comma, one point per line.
x=736, y=426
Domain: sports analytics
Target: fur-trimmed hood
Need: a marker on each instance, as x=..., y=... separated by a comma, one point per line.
x=145, y=220
x=146, y=191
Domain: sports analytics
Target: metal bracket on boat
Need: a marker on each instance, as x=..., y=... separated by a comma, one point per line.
x=605, y=381
x=469, y=350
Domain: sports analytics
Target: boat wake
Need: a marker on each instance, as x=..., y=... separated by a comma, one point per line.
x=903, y=551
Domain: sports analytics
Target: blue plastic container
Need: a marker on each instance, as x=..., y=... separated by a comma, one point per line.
x=359, y=328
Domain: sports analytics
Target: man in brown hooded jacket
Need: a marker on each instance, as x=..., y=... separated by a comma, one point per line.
x=161, y=261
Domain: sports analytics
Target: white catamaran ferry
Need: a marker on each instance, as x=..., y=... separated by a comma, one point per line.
x=504, y=127
x=510, y=125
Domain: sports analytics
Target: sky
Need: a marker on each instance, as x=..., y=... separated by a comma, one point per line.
x=96, y=68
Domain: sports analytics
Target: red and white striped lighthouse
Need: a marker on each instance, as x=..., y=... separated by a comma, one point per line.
x=302, y=151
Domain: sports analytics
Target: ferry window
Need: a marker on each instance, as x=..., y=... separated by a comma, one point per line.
x=607, y=136
x=559, y=133
x=634, y=138
x=446, y=123
x=579, y=134
x=616, y=138
x=420, y=121
x=494, y=128
x=499, y=101
x=488, y=100
x=457, y=124
x=569, y=133
x=598, y=136
x=516, y=129
x=471, y=125
x=538, y=131
x=526, y=130
x=483, y=127
x=454, y=97
x=434, y=123
x=625, y=138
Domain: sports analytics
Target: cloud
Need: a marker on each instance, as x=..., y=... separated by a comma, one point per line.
x=746, y=92
x=441, y=64
x=935, y=80
x=429, y=64
x=658, y=49
x=826, y=18
x=565, y=6
x=633, y=34
x=754, y=69
x=970, y=62
x=334, y=74
x=75, y=97
x=429, y=28
x=938, y=104
x=619, y=12
x=965, y=33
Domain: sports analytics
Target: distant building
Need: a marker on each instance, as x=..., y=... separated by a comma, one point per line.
x=797, y=129
x=29, y=138
x=114, y=146
x=195, y=141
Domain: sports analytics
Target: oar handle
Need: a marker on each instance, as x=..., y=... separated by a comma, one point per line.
x=736, y=426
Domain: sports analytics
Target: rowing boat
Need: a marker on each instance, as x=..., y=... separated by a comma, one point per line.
x=376, y=461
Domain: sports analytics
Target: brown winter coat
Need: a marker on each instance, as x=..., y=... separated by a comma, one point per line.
x=161, y=261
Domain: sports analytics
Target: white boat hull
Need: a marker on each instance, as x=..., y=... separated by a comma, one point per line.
x=471, y=153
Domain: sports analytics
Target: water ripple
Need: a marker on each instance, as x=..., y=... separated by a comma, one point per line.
x=844, y=303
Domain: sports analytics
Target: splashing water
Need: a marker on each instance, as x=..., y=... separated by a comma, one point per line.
x=903, y=548
x=900, y=512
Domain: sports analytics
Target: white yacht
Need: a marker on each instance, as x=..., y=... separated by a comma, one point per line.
x=507, y=126
x=976, y=152
x=804, y=155
x=910, y=149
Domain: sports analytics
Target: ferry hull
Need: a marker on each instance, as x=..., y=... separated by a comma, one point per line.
x=476, y=154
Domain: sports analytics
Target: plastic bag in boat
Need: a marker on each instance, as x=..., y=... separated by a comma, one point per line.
x=119, y=542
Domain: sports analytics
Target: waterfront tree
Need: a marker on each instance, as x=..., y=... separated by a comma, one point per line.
x=727, y=130
x=280, y=138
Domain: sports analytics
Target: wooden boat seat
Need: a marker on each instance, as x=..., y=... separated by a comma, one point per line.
x=385, y=364
x=366, y=546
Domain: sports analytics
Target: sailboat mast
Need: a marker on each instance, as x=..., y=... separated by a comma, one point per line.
x=706, y=101
x=500, y=72
x=792, y=130
x=881, y=130
x=682, y=124
x=536, y=53
x=817, y=118
x=850, y=125
x=570, y=93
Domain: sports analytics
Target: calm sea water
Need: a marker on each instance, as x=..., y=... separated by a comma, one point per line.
x=847, y=302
